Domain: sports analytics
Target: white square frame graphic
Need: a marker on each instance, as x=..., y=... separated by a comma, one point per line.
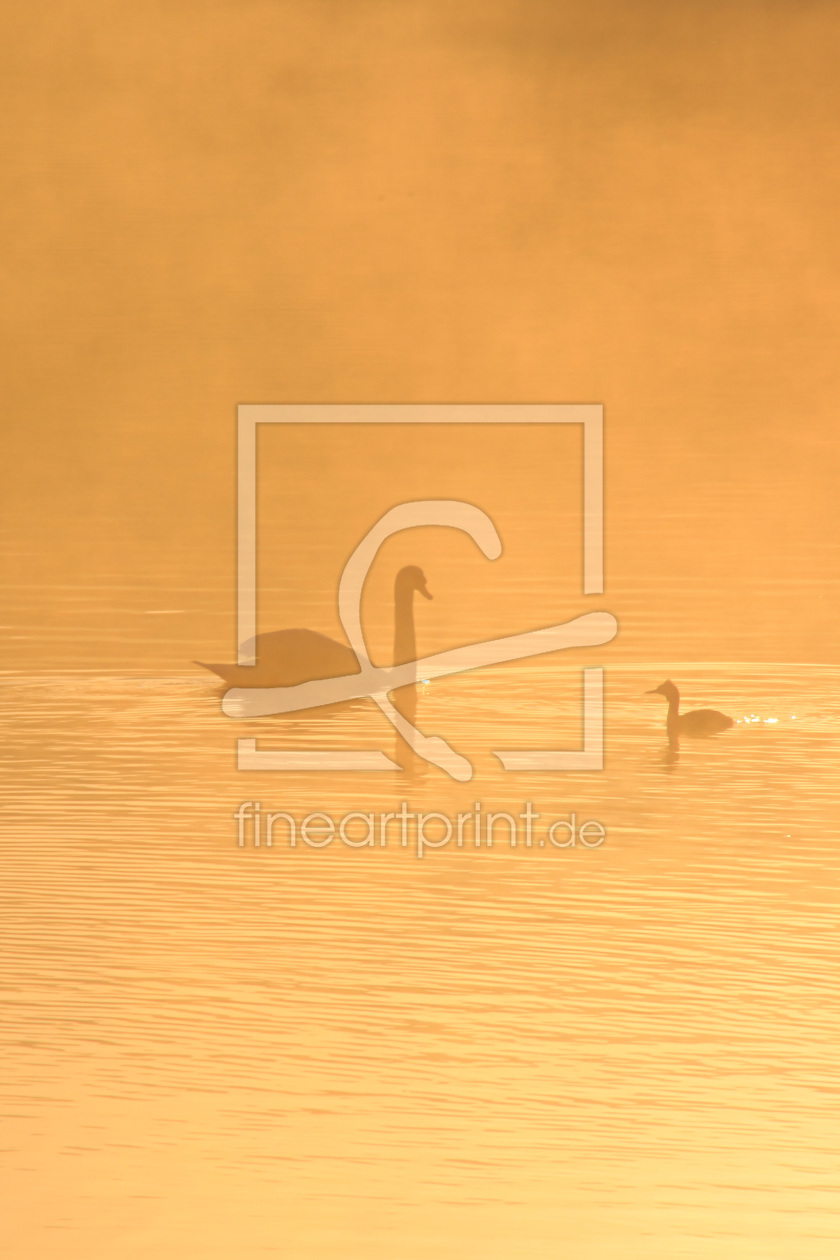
x=590, y=415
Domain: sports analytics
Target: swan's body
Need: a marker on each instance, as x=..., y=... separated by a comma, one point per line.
x=288, y=657
x=695, y=724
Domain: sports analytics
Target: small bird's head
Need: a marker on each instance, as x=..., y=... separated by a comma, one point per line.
x=666, y=689
x=412, y=578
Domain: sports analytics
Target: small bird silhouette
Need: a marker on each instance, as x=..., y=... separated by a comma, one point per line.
x=697, y=723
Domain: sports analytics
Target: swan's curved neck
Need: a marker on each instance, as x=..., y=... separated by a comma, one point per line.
x=405, y=641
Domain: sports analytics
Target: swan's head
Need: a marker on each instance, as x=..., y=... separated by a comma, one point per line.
x=666, y=689
x=411, y=578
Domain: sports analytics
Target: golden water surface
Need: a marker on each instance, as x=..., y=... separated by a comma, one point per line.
x=356, y=1053
x=218, y=1049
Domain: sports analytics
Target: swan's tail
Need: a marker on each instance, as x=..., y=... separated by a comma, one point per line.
x=221, y=671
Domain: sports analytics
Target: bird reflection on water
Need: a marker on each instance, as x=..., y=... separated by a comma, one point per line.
x=289, y=657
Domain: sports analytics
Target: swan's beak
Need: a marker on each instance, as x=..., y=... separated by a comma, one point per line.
x=424, y=590
x=654, y=691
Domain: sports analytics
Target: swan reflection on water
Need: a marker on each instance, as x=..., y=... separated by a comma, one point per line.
x=286, y=658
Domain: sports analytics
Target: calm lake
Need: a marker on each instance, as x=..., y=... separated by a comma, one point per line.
x=347, y=1052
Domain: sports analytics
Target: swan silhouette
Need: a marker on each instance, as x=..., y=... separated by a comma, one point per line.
x=697, y=723
x=288, y=657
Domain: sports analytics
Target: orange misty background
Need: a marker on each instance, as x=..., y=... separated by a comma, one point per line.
x=627, y=204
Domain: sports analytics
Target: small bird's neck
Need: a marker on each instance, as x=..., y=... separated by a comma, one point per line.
x=673, y=724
